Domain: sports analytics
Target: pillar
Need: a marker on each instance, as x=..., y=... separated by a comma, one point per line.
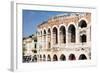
x=51, y=38
x=66, y=36
x=77, y=35
x=58, y=32
x=46, y=40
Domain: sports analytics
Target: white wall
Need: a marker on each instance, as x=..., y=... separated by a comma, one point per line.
x=5, y=36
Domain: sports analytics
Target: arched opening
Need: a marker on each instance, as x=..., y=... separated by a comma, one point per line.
x=62, y=57
x=72, y=57
x=49, y=32
x=71, y=34
x=49, y=38
x=44, y=32
x=55, y=58
x=82, y=24
x=44, y=38
x=82, y=57
x=62, y=34
x=35, y=58
x=55, y=35
x=83, y=38
x=48, y=58
x=40, y=57
x=44, y=58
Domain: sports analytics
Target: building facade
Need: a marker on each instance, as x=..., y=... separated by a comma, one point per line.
x=64, y=37
x=29, y=48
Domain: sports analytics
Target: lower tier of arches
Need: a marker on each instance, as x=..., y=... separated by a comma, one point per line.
x=55, y=57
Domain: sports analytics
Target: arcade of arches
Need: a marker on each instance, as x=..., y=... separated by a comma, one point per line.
x=61, y=58
x=63, y=40
x=65, y=35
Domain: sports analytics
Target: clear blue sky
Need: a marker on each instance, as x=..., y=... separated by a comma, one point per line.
x=32, y=18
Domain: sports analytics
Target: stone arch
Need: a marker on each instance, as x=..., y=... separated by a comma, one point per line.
x=72, y=57
x=82, y=57
x=44, y=57
x=62, y=57
x=41, y=33
x=82, y=24
x=49, y=38
x=62, y=30
x=71, y=34
x=49, y=31
x=44, y=37
x=48, y=58
x=35, y=58
x=83, y=38
x=40, y=57
x=44, y=32
x=55, y=35
x=55, y=58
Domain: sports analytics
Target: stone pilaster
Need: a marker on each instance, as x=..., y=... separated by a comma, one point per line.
x=58, y=37
x=51, y=39
x=67, y=37
x=46, y=40
x=77, y=36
